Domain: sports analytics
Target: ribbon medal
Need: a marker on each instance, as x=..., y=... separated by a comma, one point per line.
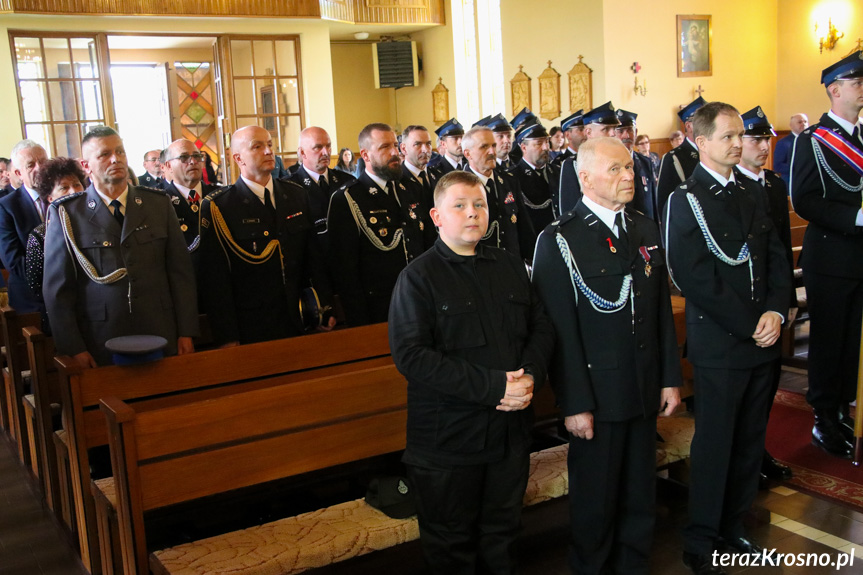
x=509, y=198
x=646, y=255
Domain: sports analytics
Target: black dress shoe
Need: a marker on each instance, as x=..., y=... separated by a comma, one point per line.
x=743, y=545
x=827, y=435
x=772, y=469
x=846, y=423
x=763, y=482
x=702, y=564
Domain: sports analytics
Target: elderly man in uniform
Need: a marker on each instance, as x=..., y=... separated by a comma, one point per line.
x=376, y=226
x=573, y=127
x=644, y=199
x=537, y=178
x=450, y=134
x=737, y=287
x=152, y=170
x=785, y=146
x=753, y=156
x=314, y=151
x=678, y=164
x=116, y=262
x=470, y=336
x=20, y=212
x=187, y=189
x=416, y=147
x=616, y=363
x=257, y=252
x=598, y=123
x=509, y=225
x=826, y=179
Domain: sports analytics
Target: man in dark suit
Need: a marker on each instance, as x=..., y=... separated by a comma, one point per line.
x=573, y=127
x=537, y=178
x=471, y=337
x=20, y=212
x=726, y=257
x=315, y=176
x=826, y=174
x=644, y=199
x=616, y=361
x=450, y=134
x=509, y=225
x=376, y=226
x=5, y=185
x=152, y=176
x=416, y=148
x=257, y=251
x=187, y=190
x=678, y=164
x=598, y=123
x=756, y=148
x=785, y=147
x=116, y=263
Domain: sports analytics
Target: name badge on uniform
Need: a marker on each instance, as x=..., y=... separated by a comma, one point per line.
x=251, y=220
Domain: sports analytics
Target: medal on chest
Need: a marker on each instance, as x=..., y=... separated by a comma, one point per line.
x=646, y=255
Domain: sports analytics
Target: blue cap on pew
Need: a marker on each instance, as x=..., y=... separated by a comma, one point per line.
x=756, y=124
x=135, y=349
x=849, y=67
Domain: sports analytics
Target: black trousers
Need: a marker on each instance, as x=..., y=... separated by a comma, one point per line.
x=470, y=515
x=835, y=313
x=727, y=451
x=612, y=497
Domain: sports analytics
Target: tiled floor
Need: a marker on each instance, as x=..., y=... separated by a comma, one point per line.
x=792, y=522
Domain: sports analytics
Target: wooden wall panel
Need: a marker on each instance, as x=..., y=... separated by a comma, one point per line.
x=251, y=8
x=342, y=10
x=399, y=11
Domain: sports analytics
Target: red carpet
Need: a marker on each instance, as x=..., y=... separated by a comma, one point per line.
x=789, y=435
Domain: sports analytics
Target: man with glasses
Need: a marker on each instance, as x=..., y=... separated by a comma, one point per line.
x=187, y=190
x=153, y=171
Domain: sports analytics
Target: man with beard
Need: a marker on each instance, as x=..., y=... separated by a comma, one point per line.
x=678, y=164
x=509, y=225
x=537, y=178
x=598, y=123
x=450, y=134
x=187, y=190
x=573, y=129
x=376, y=227
x=756, y=148
x=644, y=199
x=258, y=252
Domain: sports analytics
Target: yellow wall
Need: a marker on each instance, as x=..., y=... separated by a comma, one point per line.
x=314, y=40
x=357, y=101
x=800, y=64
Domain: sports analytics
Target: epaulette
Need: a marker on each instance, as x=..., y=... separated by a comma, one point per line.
x=350, y=184
x=159, y=191
x=216, y=193
x=567, y=217
x=67, y=197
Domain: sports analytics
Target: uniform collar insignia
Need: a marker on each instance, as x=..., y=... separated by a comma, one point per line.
x=373, y=191
x=307, y=182
x=139, y=201
x=499, y=180
x=401, y=185
x=694, y=155
x=175, y=200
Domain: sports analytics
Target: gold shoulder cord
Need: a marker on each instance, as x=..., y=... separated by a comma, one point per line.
x=224, y=235
x=86, y=265
x=398, y=236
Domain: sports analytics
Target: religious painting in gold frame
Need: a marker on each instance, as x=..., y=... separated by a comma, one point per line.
x=440, y=102
x=549, y=93
x=520, y=91
x=580, y=87
x=694, y=45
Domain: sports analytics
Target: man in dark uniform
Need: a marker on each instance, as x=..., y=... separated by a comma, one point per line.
x=756, y=148
x=509, y=225
x=726, y=257
x=257, y=250
x=376, y=226
x=826, y=181
x=677, y=165
x=537, y=178
x=315, y=176
x=470, y=336
x=152, y=170
x=450, y=134
x=573, y=127
x=116, y=263
x=524, y=117
x=416, y=148
x=598, y=123
x=616, y=361
x=644, y=199
x=503, y=140
x=187, y=191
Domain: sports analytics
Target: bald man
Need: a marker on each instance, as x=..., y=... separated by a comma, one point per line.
x=314, y=174
x=257, y=251
x=784, y=147
x=187, y=190
x=152, y=175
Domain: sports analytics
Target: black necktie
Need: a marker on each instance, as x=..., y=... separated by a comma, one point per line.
x=268, y=201
x=425, y=180
x=324, y=185
x=118, y=215
x=621, y=232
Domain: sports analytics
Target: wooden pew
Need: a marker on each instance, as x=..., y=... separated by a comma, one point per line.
x=205, y=375
x=180, y=453
x=13, y=376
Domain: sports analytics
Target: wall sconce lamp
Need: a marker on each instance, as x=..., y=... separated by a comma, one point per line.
x=639, y=90
x=832, y=37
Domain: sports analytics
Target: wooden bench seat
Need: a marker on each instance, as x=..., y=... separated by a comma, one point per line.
x=15, y=386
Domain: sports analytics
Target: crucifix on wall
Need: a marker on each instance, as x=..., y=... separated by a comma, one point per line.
x=699, y=90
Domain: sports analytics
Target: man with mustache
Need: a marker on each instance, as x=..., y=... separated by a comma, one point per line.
x=728, y=261
x=536, y=176
x=376, y=227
